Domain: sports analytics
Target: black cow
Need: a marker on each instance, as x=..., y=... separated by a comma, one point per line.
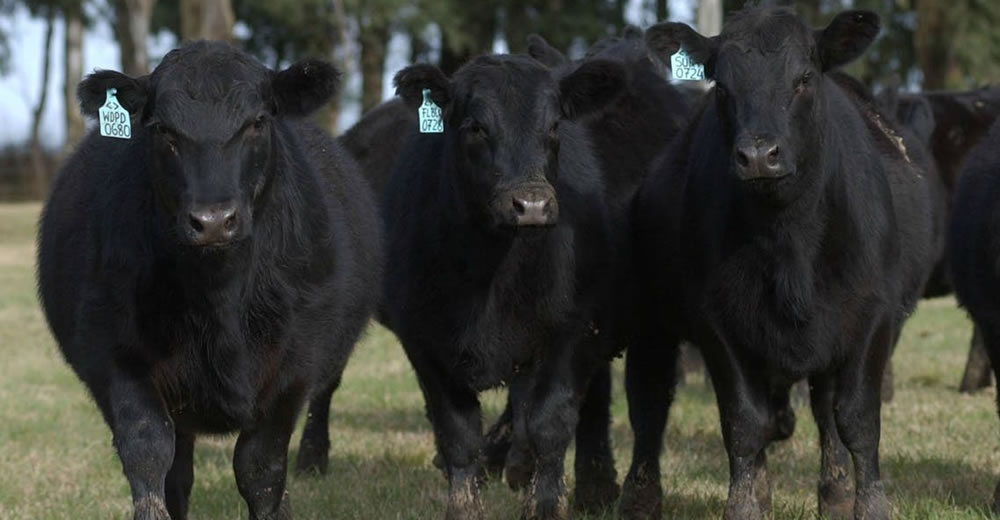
x=961, y=119
x=206, y=275
x=957, y=121
x=630, y=133
x=788, y=235
x=974, y=246
x=376, y=139
x=507, y=269
x=627, y=135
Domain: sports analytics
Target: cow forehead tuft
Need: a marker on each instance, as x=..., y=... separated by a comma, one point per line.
x=208, y=70
x=766, y=30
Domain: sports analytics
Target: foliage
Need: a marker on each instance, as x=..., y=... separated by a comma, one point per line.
x=287, y=30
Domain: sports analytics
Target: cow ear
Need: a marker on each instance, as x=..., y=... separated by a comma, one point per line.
x=132, y=93
x=304, y=87
x=591, y=87
x=544, y=52
x=411, y=82
x=846, y=38
x=665, y=39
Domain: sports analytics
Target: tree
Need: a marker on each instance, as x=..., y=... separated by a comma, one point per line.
x=72, y=73
x=131, y=21
x=206, y=19
x=283, y=31
x=709, y=17
x=6, y=8
x=48, y=11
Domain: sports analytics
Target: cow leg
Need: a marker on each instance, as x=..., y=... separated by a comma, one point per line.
x=520, y=462
x=552, y=419
x=990, y=341
x=857, y=406
x=144, y=438
x=977, y=367
x=260, y=461
x=180, y=478
x=836, y=498
x=455, y=415
x=596, y=479
x=650, y=368
x=783, y=419
x=746, y=416
x=497, y=442
x=314, y=448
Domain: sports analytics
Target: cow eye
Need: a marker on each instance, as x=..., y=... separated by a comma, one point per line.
x=258, y=124
x=554, y=131
x=168, y=137
x=474, y=129
x=804, y=81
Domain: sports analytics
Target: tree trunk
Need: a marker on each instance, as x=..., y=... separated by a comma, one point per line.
x=206, y=20
x=374, y=39
x=662, y=10
x=72, y=73
x=517, y=26
x=37, y=158
x=481, y=24
x=131, y=29
x=419, y=48
x=328, y=116
x=933, y=40
x=620, y=7
x=709, y=17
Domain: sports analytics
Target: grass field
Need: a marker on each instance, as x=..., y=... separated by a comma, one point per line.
x=939, y=449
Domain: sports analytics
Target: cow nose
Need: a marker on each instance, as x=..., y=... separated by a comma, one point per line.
x=531, y=211
x=213, y=224
x=759, y=160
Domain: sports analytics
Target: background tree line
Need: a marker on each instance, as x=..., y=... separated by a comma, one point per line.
x=927, y=44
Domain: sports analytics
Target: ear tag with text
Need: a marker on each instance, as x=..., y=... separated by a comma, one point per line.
x=684, y=67
x=114, y=121
x=430, y=115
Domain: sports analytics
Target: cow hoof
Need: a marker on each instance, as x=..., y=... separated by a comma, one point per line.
x=497, y=445
x=494, y=463
x=742, y=510
x=312, y=459
x=464, y=504
x=594, y=494
x=872, y=504
x=520, y=470
x=151, y=508
x=545, y=509
x=836, y=500
x=642, y=499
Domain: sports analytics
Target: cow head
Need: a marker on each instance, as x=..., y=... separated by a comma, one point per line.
x=768, y=68
x=210, y=116
x=502, y=133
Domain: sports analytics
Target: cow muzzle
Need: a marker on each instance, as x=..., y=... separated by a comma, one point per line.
x=533, y=205
x=212, y=225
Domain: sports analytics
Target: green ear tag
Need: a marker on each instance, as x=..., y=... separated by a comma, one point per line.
x=114, y=120
x=430, y=115
x=684, y=67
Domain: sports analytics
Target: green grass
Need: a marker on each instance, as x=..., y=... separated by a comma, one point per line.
x=939, y=448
